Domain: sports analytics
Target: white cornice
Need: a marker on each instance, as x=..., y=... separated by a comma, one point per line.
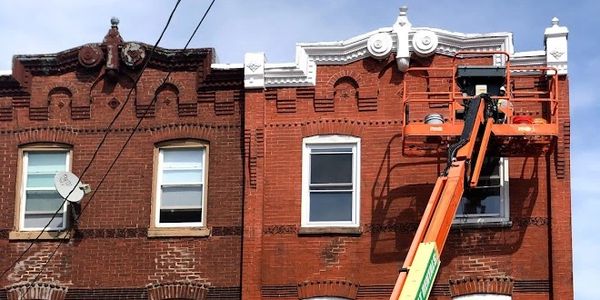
x=5, y=72
x=302, y=72
x=529, y=58
x=308, y=55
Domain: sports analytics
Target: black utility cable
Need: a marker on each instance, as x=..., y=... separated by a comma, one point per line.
x=94, y=155
x=120, y=151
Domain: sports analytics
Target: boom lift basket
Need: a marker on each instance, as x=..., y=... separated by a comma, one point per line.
x=433, y=103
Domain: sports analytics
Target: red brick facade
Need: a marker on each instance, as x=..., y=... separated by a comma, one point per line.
x=60, y=99
x=530, y=258
x=256, y=246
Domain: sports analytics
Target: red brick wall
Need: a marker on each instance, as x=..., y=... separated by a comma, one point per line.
x=394, y=191
x=111, y=248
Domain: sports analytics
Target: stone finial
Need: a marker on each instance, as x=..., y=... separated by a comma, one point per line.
x=556, y=40
x=114, y=22
x=403, y=10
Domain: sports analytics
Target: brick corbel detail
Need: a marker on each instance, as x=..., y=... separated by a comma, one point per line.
x=36, y=291
x=177, y=290
x=332, y=126
x=481, y=285
x=331, y=288
x=286, y=100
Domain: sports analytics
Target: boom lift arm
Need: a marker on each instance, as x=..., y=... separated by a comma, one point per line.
x=422, y=261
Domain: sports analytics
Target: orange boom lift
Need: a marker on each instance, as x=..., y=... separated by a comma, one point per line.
x=513, y=107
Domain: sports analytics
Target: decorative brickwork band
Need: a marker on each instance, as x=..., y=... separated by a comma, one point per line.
x=177, y=290
x=479, y=285
x=36, y=291
x=332, y=288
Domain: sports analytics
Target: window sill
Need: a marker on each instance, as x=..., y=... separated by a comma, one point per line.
x=330, y=231
x=32, y=235
x=481, y=224
x=158, y=232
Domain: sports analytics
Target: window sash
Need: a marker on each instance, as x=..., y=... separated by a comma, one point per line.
x=27, y=172
x=330, y=145
x=192, y=176
x=495, y=217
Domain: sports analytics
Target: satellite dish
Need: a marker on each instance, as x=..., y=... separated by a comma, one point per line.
x=65, y=182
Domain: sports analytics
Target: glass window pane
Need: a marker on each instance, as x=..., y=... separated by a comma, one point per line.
x=182, y=176
x=46, y=162
x=331, y=168
x=178, y=196
x=48, y=201
x=180, y=216
x=40, y=180
x=333, y=206
x=480, y=201
x=41, y=220
x=182, y=158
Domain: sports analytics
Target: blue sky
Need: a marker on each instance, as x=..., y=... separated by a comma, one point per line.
x=237, y=26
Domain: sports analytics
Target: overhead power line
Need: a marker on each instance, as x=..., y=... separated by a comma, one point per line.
x=100, y=144
x=121, y=150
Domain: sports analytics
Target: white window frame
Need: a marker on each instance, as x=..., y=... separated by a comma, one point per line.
x=483, y=297
x=24, y=163
x=504, y=217
x=329, y=141
x=186, y=144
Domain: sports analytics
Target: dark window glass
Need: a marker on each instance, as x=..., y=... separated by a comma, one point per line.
x=330, y=206
x=180, y=215
x=331, y=168
x=480, y=201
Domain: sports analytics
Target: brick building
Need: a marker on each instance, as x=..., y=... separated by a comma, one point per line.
x=139, y=238
x=332, y=203
x=311, y=155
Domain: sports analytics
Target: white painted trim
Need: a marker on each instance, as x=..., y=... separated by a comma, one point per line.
x=333, y=141
x=226, y=66
x=309, y=55
x=483, y=297
x=5, y=72
x=157, y=188
x=23, y=189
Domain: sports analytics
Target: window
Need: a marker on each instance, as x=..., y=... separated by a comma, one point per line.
x=181, y=185
x=39, y=198
x=488, y=202
x=330, y=185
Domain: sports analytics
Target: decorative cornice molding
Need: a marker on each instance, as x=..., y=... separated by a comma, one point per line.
x=308, y=55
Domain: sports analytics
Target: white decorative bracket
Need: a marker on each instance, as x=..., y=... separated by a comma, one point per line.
x=254, y=70
x=555, y=38
x=401, y=28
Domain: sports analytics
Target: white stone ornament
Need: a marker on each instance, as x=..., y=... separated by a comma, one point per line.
x=254, y=70
x=401, y=28
x=380, y=45
x=424, y=42
x=555, y=38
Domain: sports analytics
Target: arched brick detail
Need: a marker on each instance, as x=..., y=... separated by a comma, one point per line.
x=367, y=92
x=36, y=291
x=481, y=285
x=332, y=126
x=331, y=288
x=177, y=290
x=46, y=135
x=80, y=104
x=183, y=131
